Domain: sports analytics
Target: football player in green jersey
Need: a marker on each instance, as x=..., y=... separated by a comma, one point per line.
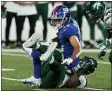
x=98, y=12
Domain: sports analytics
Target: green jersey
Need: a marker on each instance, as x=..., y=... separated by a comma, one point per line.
x=52, y=78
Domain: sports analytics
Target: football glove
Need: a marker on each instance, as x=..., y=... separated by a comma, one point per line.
x=104, y=45
x=67, y=61
x=101, y=55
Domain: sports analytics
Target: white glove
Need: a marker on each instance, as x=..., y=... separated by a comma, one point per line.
x=67, y=61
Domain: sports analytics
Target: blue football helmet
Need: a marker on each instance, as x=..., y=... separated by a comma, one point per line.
x=60, y=16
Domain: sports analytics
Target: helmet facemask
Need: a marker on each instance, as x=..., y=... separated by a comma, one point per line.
x=95, y=17
x=58, y=22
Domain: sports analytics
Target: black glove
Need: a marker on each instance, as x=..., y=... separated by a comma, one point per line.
x=101, y=55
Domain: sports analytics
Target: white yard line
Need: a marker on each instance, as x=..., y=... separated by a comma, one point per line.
x=41, y=90
x=21, y=50
x=95, y=89
x=100, y=62
x=92, y=89
x=13, y=79
x=23, y=55
x=6, y=69
x=13, y=50
x=13, y=54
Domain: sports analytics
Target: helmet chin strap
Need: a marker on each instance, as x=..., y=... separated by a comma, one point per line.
x=69, y=19
x=59, y=26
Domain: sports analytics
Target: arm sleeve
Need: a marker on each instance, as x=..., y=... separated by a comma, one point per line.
x=70, y=32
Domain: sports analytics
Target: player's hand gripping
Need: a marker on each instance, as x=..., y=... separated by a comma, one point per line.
x=67, y=61
x=101, y=55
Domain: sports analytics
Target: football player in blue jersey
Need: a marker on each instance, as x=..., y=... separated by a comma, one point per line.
x=68, y=35
x=69, y=38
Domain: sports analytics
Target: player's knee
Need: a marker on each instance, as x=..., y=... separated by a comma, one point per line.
x=83, y=81
x=35, y=54
x=24, y=45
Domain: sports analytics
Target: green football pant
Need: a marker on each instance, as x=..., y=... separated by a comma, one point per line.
x=42, y=10
x=54, y=77
x=52, y=74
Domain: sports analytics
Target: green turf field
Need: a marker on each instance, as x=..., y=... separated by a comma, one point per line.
x=22, y=64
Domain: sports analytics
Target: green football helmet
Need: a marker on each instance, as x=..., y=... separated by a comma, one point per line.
x=95, y=10
x=88, y=65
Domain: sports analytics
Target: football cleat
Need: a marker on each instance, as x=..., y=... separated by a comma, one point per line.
x=83, y=81
x=32, y=80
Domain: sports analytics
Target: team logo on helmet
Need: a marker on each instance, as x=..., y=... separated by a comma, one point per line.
x=95, y=10
x=60, y=16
